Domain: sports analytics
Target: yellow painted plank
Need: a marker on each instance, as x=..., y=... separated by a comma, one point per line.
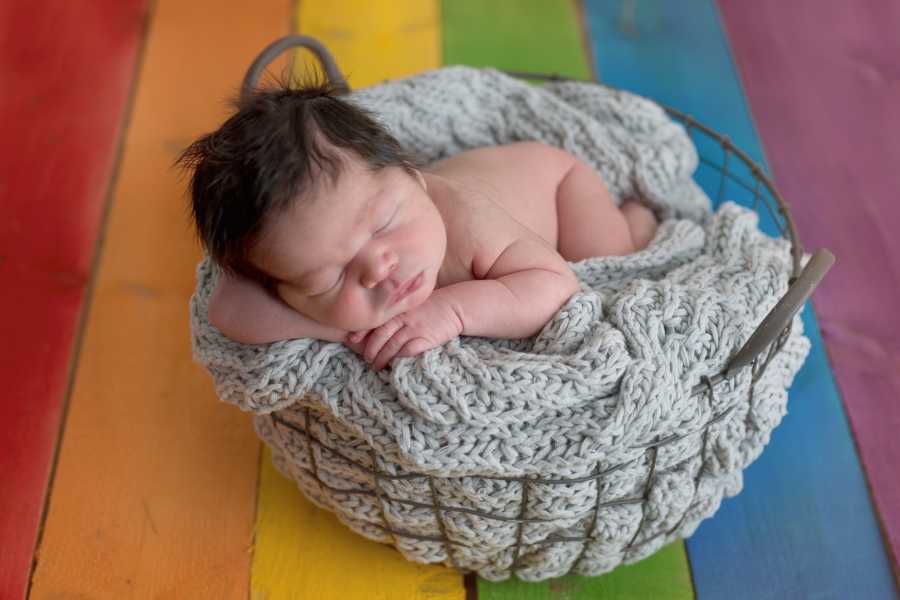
x=302, y=551
x=155, y=489
x=374, y=41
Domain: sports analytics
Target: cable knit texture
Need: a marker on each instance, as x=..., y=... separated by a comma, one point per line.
x=602, y=396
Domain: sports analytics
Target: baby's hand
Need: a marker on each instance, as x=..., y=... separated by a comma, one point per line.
x=356, y=340
x=408, y=334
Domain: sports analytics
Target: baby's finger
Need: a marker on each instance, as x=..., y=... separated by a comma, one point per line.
x=379, y=337
x=414, y=347
x=357, y=347
x=355, y=340
x=390, y=349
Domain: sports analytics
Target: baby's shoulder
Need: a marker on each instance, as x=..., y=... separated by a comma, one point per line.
x=526, y=159
x=478, y=227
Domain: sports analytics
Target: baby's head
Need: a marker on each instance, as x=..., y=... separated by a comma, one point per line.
x=308, y=195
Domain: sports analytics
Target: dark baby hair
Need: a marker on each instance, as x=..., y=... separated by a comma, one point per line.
x=267, y=154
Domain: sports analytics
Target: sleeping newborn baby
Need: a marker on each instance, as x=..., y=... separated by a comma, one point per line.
x=325, y=229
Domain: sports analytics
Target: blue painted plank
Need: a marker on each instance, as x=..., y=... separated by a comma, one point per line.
x=804, y=526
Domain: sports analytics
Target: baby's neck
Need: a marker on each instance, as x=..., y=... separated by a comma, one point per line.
x=437, y=191
x=446, y=196
x=443, y=192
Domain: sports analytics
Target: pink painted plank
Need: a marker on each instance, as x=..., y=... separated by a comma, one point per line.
x=823, y=80
x=66, y=69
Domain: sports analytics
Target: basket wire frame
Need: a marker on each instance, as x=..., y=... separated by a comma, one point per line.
x=764, y=193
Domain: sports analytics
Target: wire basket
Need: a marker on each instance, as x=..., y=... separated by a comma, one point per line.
x=381, y=487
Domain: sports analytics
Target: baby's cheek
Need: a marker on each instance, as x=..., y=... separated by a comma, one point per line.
x=289, y=297
x=351, y=313
x=302, y=305
x=417, y=299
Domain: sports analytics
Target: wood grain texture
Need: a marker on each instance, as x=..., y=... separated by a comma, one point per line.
x=822, y=79
x=523, y=35
x=803, y=526
x=155, y=488
x=67, y=72
x=375, y=41
x=302, y=551
x=531, y=35
x=663, y=575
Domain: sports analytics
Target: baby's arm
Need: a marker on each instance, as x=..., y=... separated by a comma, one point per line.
x=245, y=312
x=520, y=292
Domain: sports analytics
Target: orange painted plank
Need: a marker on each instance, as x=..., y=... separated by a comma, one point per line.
x=155, y=488
x=67, y=71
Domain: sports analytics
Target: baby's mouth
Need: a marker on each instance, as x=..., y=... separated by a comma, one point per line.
x=408, y=288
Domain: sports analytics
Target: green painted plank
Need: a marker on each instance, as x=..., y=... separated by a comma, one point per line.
x=542, y=36
x=662, y=575
x=518, y=35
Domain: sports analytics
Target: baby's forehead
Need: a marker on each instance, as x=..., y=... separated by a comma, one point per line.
x=291, y=242
x=340, y=178
x=345, y=197
x=316, y=223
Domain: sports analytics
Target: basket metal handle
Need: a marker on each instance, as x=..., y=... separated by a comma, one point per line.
x=270, y=52
x=783, y=312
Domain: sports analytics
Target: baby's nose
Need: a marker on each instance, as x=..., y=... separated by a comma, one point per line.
x=380, y=270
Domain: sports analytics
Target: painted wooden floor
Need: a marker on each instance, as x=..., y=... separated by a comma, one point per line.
x=121, y=475
x=67, y=74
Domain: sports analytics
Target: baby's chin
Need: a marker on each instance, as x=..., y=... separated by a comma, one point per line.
x=415, y=299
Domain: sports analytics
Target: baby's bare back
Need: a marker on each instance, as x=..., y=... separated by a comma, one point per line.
x=533, y=192
x=520, y=178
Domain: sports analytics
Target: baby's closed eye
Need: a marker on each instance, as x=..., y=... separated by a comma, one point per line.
x=385, y=226
x=389, y=220
x=337, y=282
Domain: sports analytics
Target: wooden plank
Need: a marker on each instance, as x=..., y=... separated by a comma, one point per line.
x=155, y=487
x=803, y=523
x=825, y=100
x=664, y=574
x=374, y=41
x=522, y=35
x=65, y=95
x=532, y=35
x=303, y=551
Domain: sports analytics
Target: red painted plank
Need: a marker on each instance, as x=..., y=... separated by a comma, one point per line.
x=67, y=69
x=823, y=81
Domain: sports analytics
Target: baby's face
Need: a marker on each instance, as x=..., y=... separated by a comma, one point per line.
x=354, y=253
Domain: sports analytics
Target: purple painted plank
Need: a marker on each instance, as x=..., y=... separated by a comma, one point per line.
x=823, y=80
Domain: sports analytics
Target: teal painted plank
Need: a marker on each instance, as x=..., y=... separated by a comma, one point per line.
x=804, y=525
